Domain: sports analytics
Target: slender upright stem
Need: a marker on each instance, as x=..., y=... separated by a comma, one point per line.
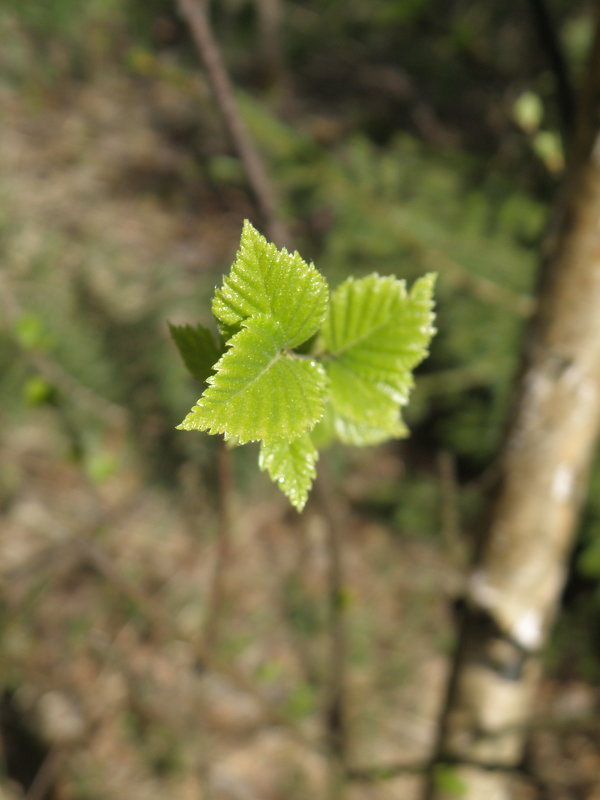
x=270, y=19
x=336, y=709
x=196, y=14
x=44, y=782
x=450, y=523
x=550, y=43
x=217, y=591
x=587, y=120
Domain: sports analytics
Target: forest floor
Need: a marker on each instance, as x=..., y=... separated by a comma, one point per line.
x=105, y=573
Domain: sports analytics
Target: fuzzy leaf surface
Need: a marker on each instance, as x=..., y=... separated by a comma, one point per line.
x=197, y=348
x=376, y=333
x=291, y=465
x=265, y=281
x=259, y=391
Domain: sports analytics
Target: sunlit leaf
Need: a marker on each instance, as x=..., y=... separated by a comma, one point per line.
x=300, y=371
x=376, y=334
x=291, y=465
x=269, y=282
x=259, y=390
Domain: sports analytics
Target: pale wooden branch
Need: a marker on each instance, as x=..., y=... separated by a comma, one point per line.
x=195, y=13
x=519, y=566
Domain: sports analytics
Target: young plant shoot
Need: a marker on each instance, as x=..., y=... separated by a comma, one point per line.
x=298, y=366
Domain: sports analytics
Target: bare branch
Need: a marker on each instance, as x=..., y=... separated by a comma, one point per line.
x=47, y=775
x=550, y=43
x=336, y=712
x=587, y=123
x=218, y=585
x=196, y=15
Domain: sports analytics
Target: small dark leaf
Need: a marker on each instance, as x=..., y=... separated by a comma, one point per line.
x=197, y=348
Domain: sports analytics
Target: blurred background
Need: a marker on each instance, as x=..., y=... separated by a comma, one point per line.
x=400, y=136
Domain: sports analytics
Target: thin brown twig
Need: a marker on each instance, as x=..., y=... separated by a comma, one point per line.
x=46, y=775
x=270, y=19
x=336, y=710
x=587, y=119
x=285, y=604
x=549, y=40
x=195, y=13
x=450, y=522
x=217, y=591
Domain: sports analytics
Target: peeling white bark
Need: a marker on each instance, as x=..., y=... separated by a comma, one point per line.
x=529, y=631
x=514, y=589
x=563, y=483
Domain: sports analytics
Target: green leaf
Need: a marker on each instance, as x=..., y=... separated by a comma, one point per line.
x=260, y=391
x=197, y=348
x=266, y=281
x=358, y=434
x=375, y=334
x=291, y=465
x=273, y=314
x=358, y=397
